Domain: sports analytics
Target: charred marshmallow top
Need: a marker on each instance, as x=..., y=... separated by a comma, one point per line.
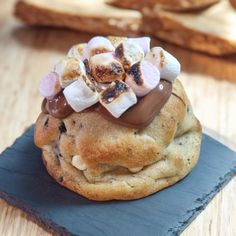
x=113, y=71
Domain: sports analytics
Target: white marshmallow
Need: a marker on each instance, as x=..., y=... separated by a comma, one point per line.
x=69, y=70
x=77, y=51
x=143, y=42
x=101, y=86
x=78, y=163
x=81, y=94
x=116, y=40
x=117, y=98
x=129, y=53
x=98, y=45
x=167, y=64
x=49, y=85
x=105, y=68
x=142, y=78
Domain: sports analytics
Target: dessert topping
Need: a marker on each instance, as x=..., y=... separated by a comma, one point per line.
x=98, y=45
x=117, y=98
x=49, y=85
x=143, y=42
x=105, y=68
x=77, y=51
x=147, y=107
x=58, y=106
x=81, y=94
x=129, y=53
x=69, y=70
x=167, y=64
x=142, y=77
x=116, y=73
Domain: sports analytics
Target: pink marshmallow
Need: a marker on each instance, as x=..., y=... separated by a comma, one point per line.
x=142, y=77
x=49, y=85
x=143, y=42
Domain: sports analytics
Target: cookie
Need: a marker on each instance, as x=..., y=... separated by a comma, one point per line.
x=103, y=161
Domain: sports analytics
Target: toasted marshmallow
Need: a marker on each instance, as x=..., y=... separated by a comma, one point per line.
x=49, y=85
x=69, y=70
x=117, y=98
x=98, y=45
x=129, y=53
x=78, y=163
x=77, y=51
x=167, y=64
x=101, y=86
x=142, y=77
x=81, y=94
x=115, y=40
x=105, y=68
x=143, y=42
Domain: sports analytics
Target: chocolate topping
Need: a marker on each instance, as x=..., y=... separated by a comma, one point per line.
x=139, y=116
x=142, y=114
x=58, y=106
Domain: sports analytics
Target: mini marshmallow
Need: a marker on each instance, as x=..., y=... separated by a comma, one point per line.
x=117, y=98
x=49, y=85
x=105, y=68
x=101, y=86
x=115, y=40
x=129, y=53
x=81, y=94
x=142, y=78
x=78, y=163
x=98, y=45
x=167, y=64
x=69, y=70
x=77, y=51
x=143, y=42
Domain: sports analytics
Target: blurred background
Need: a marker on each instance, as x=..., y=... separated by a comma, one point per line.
x=35, y=34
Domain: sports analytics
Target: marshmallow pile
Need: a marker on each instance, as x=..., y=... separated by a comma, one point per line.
x=114, y=71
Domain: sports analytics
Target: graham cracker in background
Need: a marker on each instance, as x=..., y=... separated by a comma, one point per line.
x=233, y=3
x=211, y=30
x=172, y=5
x=93, y=16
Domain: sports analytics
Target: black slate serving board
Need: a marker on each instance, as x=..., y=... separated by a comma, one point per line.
x=25, y=184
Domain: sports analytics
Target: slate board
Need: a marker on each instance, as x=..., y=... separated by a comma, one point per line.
x=25, y=184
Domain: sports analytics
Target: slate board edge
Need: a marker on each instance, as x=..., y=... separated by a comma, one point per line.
x=203, y=202
x=42, y=221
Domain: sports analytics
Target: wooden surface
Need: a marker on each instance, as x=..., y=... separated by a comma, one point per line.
x=28, y=53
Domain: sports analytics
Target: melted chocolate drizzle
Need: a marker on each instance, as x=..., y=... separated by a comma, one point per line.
x=139, y=116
